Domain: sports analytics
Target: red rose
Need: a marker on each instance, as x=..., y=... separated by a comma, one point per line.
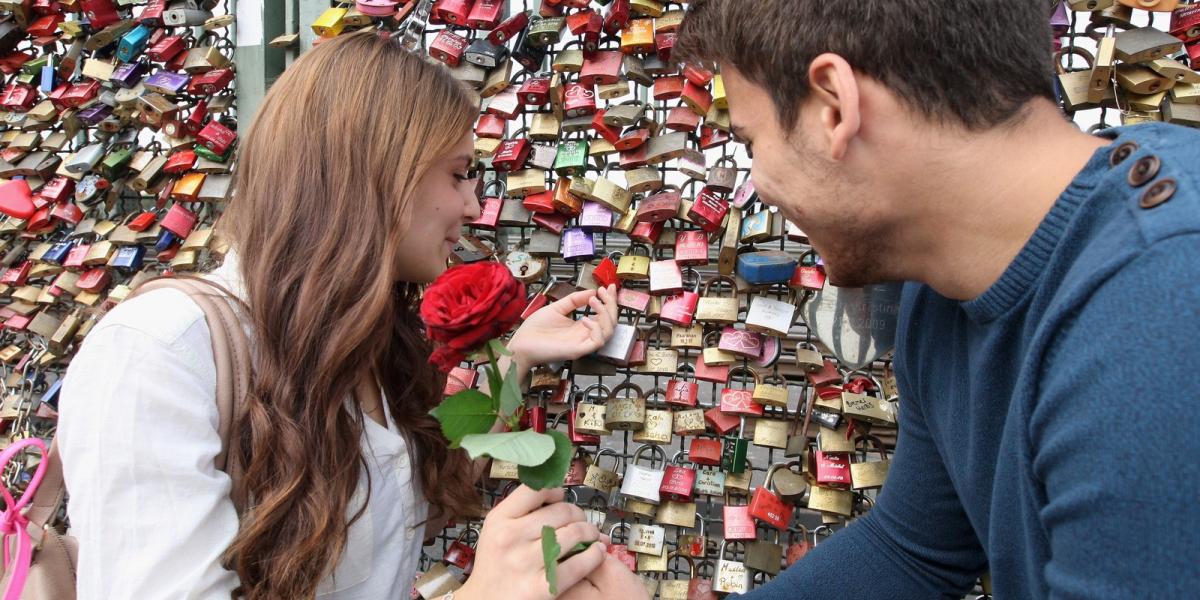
x=467, y=306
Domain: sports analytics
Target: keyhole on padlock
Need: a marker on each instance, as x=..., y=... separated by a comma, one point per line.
x=524, y=269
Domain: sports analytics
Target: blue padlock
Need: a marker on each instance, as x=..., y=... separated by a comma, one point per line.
x=129, y=257
x=766, y=267
x=133, y=43
x=51, y=395
x=58, y=252
x=165, y=239
x=49, y=78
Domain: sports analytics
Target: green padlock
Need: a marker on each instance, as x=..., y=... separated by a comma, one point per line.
x=546, y=31
x=114, y=165
x=34, y=66
x=733, y=457
x=572, y=158
x=204, y=152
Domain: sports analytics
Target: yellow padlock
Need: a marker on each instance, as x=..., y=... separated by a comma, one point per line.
x=187, y=188
x=632, y=266
x=330, y=22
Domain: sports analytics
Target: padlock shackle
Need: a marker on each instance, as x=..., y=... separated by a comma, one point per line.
x=719, y=278
x=880, y=447
x=625, y=385
x=587, y=397
x=654, y=449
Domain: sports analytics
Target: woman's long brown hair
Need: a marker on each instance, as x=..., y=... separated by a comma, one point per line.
x=322, y=195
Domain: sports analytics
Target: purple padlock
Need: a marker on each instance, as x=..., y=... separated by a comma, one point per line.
x=95, y=113
x=596, y=217
x=166, y=82
x=128, y=75
x=1059, y=21
x=577, y=244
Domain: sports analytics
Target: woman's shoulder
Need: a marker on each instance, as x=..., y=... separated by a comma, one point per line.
x=166, y=315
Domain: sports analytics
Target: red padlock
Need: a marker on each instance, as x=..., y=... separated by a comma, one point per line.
x=826, y=376
x=691, y=248
x=99, y=13
x=605, y=273
x=680, y=309
x=610, y=133
x=697, y=75
x=485, y=14
x=16, y=276
x=16, y=199
x=662, y=207
x=664, y=43
x=711, y=137
x=179, y=221
x=621, y=552
x=739, y=402
x=603, y=67
x=576, y=472
x=579, y=100
x=94, y=280
x=696, y=98
x=738, y=524
x=448, y=47
x=490, y=126
x=705, y=451
x=18, y=97
x=151, y=16
x=617, y=17
x=535, y=418
x=579, y=22
x=796, y=550
x=489, y=214
x=167, y=48
x=669, y=87
x=44, y=26
x=682, y=393
x=208, y=84
x=831, y=469
x=708, y=210
x=454, y=12
x=509, y=28
x=535, y=91
x=767, y=507
x=460, y=379
x=741, y=342
x=511, y=155
x=647, y=233
x=808, y=277
x=678, y=483
x=554, y=222
x=711, y=373
x=681, y=118
x=721, y=422
x=579, y=438
x=180, y=162
x=635, y=300
x=461, y=552
x=216, y=137
x=541, y=202
x=67, y=211
x=631, y=138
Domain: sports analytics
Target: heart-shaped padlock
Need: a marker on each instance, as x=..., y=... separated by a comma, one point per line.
x=857, y=324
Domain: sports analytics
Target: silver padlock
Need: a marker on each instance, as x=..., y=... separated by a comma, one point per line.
x=620, y=345
x=646, y=539
x=770, y=316
x=643, y=483
x=732, y=576
x=185, y=13
x=85, y=158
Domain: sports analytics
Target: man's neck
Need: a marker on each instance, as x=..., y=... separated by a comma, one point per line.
x=984, y=196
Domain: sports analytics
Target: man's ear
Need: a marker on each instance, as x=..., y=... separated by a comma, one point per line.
x=835, y=90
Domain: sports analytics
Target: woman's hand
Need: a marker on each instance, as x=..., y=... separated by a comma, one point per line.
x=611, y=579
x=508, y=557
x=551, y=335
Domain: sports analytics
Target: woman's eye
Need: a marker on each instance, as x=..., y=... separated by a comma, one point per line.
x=467, y=176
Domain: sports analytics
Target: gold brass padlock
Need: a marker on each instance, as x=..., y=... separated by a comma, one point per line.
x=634, y=267
x=771, y=391
x=658, y=422
x=770, y=433
x=625, y=413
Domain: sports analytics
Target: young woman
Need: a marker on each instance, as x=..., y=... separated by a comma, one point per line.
x=351, y=188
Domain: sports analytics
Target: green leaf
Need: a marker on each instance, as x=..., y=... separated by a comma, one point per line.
x=465, y=413
x=510, y=394
x=550, y=551
x=498, y=347
x=553, y=472
x=493, y=375
x=526, y=448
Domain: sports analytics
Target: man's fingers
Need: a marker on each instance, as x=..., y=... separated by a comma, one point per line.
x=574, y=569
x=525, y=500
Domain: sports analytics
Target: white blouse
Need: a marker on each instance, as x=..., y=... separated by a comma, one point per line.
x=138, y=435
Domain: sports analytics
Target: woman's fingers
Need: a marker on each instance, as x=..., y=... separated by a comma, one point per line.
x=573, y=302
x=573, y=533
x=525, y=500
x=554, y=515
x=574, y=569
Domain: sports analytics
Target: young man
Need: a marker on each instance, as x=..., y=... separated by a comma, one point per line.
x=1047, y=350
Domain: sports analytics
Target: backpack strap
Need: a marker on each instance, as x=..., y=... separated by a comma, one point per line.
x=231, y=356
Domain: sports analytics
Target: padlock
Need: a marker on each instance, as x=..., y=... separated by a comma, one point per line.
x=436, y=582
x=621, y=551
x=600, y=479
x=679, y=481
x=722, y=179
x=658, y=421
x=770, y=433
x=647, y=539
x=797, y=549
x=609, y=193
x=679, y=514
x=869, y=475
x=765, y=556
x=869, y=408
x=830, y=469
x=809, y=358
x=713, y=309
x=740, y=342
x=676, y=589
x=705, y=451
x=461, y=552
x=708, y=209
x=694, y=545
x=625, y=413
x=590, y=417
x=642, y=483
x=667, y=279
x=767, y=507
x=620, y=345
x=634, y=267
x=578, y=100
x=741, y=401
x=571, y=158
x=577, y=244
x=691, y=248
x=790, y=485
x=831, y=501
x=736, y=520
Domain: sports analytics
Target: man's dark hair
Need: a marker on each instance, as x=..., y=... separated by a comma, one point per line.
x=967, y=62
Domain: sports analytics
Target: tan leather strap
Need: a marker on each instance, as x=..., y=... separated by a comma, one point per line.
x=231, y=356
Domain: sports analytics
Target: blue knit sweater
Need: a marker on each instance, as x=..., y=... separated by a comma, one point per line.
x=1048, y=427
